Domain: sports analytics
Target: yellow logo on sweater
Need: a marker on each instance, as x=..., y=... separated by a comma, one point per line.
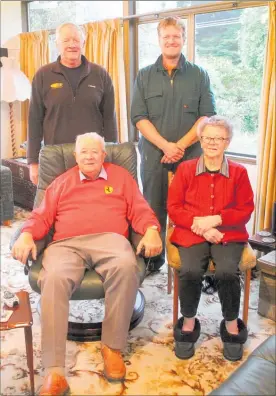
x=56, y=85
x=108, y=189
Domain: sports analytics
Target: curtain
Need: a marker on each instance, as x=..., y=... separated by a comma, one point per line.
x=34, y=53
x=266, y=159
x=104, y=46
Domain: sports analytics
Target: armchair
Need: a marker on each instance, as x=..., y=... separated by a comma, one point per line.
x=55, y=160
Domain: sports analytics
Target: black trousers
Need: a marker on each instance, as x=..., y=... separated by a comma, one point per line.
x=194, y=263
x=154, y=177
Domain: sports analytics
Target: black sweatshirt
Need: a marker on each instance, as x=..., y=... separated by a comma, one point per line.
x=57, y=115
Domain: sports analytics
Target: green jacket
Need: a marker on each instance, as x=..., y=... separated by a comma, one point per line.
x=172, y=103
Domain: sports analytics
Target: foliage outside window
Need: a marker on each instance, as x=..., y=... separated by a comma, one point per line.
x=230, y=45
x=152, y=6
x=50, y=14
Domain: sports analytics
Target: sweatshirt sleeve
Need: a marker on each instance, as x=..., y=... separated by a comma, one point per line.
x=35, y=120
x=43, y=217
x=243, y=204
x=108, y=111
x=139, y=213
x=176, y=198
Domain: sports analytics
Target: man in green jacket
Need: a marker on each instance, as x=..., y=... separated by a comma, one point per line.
x=170, y=97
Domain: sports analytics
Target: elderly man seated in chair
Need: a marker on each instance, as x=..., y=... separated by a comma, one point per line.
x=91, y=207
x=210, y=201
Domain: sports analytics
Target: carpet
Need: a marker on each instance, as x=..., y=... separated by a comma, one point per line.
x=152, y=368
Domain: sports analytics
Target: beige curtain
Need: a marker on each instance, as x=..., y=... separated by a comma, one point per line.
x=34, y=53
x=104, y=46
x=266, y=159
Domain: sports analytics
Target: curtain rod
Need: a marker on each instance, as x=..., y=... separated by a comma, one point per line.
x=202, y=7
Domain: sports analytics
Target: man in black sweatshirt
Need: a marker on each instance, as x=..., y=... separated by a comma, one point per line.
x=69, y=97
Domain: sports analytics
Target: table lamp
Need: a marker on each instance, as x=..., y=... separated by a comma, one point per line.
x=15, y=85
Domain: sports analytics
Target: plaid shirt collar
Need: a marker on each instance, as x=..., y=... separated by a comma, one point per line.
x=102, y=175
x=201, y=168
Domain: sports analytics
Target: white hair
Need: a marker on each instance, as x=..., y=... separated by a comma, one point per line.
x=218, y=121
x=92, y=136
x=67, y=24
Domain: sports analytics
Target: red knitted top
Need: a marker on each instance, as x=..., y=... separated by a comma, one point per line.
x=78, y=207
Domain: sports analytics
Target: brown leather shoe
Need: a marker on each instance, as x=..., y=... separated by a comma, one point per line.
x=114, y=366
x=54, y=384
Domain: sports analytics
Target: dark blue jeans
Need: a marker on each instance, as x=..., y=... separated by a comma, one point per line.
x=194, y=263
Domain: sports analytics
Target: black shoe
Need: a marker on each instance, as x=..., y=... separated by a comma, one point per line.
x=185, y=340
x=233, y=344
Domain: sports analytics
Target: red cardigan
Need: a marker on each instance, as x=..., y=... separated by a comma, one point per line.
x=206, y=194
x=78, y=207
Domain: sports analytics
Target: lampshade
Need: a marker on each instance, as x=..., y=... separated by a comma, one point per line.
x=14, y=84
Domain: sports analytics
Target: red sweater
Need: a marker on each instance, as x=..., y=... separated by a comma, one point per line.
x=210, y=194
x=78, y=207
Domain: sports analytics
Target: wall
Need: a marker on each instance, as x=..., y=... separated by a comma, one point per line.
x=11, y=26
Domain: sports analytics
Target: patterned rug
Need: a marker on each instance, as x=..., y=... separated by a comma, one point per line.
x=152, y=368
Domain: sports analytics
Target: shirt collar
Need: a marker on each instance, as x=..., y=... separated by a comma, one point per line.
x=180, y=65
x=102, y=175
x=201, y=168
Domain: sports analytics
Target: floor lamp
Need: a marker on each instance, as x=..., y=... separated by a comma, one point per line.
x=14, y=86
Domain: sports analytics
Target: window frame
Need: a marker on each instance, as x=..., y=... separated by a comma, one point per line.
x=131, y=21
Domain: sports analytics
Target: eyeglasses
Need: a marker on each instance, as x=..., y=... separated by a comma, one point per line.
x=217, y=140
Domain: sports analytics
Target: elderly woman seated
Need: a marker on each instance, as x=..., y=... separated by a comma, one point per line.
x=210, y=200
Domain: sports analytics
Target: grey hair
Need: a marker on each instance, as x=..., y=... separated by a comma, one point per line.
x=216, y=120
x=79, y=28
x=92, y=136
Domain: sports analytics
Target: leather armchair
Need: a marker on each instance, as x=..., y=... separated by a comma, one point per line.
x=55, y=160
x=256, y=376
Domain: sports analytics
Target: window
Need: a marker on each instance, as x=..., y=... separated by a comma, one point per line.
x=149, y=49
x=142, y=7
x=50, y=14
x=230, y=45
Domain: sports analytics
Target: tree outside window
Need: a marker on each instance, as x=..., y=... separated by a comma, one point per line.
x=230, y=45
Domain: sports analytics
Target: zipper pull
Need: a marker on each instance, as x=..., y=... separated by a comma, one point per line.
x=171, y=81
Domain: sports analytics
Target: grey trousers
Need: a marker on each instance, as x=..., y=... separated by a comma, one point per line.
x=64, y=263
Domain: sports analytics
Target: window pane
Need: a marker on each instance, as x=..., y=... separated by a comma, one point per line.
x=50, y=14
x=149, y=49
x=142, y=7
x=230, y=45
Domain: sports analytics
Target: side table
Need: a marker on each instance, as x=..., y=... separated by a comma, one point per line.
x=267, y=292
x=22, y=317
x=256, y=241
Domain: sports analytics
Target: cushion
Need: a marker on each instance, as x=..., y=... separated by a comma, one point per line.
x=248, y=258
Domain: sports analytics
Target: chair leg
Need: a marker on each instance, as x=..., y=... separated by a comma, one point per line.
x=175, y=297
x=247, y=278
x=169, y=290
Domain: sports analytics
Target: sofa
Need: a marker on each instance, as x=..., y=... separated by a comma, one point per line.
x=256, y=376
